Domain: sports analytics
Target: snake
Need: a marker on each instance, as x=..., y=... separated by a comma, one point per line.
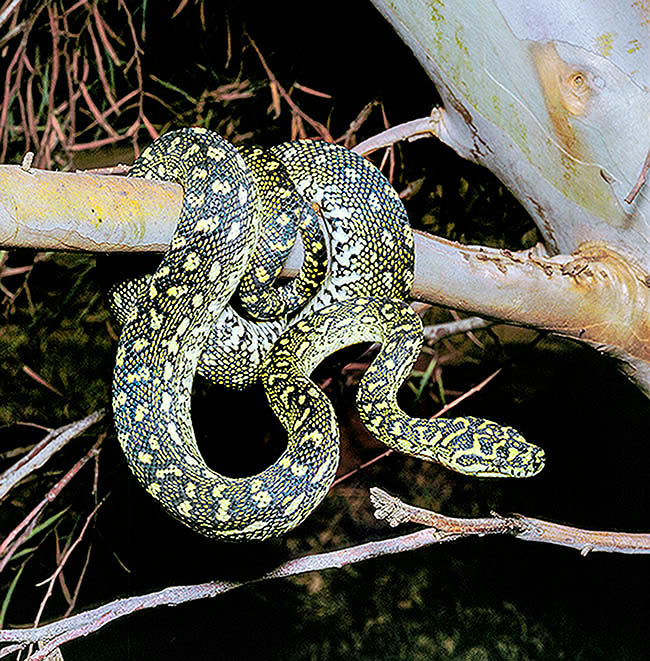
x=181, y=320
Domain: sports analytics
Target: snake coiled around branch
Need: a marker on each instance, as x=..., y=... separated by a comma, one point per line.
x=180, y=321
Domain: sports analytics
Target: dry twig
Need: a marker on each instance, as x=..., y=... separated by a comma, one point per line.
x=22, y=531
x=43, y=450
x=643, y=175
x=55, y=634
x=395, y=512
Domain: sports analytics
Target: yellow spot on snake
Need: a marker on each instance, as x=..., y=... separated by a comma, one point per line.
x=217, y=492
x=214, y=272
x=295, y=503
x=183, y=326
x=178, y=241
x=191, y=262
x=234, y=232
x=140, y=412
x=191, y=150
x=140, y=344
x=145, y=457
x=262, y=498
x=222, y=511
x=166, y=401
x=185, y=507
x=221, y=187
x=154, y=489
x=173, y=432
x=168, y=371
x=156, y=320
x=262, y=275
x=215, y=153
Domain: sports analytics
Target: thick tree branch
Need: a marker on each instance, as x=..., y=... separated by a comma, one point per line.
x=595, y=295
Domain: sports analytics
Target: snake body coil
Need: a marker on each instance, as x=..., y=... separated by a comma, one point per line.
x=180, y=320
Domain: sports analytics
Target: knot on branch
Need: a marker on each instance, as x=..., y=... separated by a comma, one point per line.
x=388, y=507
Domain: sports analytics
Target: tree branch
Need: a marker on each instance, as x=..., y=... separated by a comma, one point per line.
x=43, y=450
x=56, y=633
x=595, y=295
x=395, y=512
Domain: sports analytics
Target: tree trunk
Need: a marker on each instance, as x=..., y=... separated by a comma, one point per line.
x=553, y=97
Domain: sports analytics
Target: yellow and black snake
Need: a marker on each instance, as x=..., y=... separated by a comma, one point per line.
x=180, y=320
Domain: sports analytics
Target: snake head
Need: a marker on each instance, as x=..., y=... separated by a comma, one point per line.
x=482, y=448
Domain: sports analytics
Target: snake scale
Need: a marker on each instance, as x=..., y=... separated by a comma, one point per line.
x=180, y=320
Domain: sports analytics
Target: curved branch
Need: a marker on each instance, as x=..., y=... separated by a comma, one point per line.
x=424, y=127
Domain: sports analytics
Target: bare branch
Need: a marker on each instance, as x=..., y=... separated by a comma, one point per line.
x=8, y=547
x=59, y=569
x=394, y=511
x=424, y=127
x=4, y=15
x=643, y=175
x=43, y=450
x=56, y=633
x=433, y=334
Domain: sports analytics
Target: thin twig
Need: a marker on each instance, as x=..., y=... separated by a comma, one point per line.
x=43, y=450
x=55, y=634
x=50, y=581
x=50, y=496
x=297, y=112
x=8, y=10
x=643, y=175
x=437, y=332
x=395, y=512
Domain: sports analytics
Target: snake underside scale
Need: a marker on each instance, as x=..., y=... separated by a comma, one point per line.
x=180, y=321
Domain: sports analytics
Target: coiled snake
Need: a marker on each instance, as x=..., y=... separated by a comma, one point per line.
x=179, y=320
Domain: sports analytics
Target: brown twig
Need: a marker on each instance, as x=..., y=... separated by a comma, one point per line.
x=395, y=512
x=643, y=175
x=39, y=379
x=51, y=580
x=349, y=137
x=297, y=114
